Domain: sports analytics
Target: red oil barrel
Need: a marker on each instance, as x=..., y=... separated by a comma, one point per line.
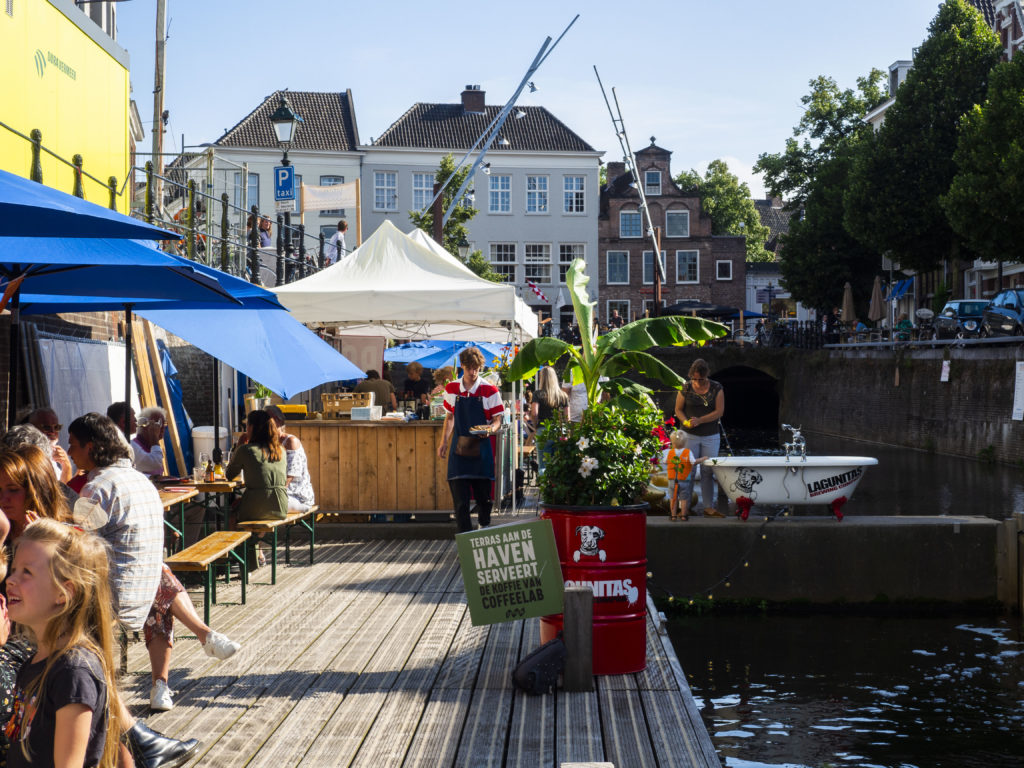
x=605, y=548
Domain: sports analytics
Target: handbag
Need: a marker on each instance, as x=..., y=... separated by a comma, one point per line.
x=468, y=447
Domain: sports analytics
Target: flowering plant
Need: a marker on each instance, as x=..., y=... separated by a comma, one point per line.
x=605, y=459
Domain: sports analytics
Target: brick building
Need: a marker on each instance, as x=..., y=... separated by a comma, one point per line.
x=697, y=264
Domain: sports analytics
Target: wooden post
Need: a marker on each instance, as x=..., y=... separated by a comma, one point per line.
x=578, y=634
x=77, y=161
x=224, y=231
x=253, y=246
x=149, y=191
x=437, y=211
x=112, y=186
x=36, y=172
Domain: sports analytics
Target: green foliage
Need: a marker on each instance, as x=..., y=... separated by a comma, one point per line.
x=603, y=459
x=987, y=455
x=942, y=295
x=616, y=352
x=812, y=174
x=988, y=190
x=899, y=176
x=727, y=201
x=455, y=231
x=831, y=117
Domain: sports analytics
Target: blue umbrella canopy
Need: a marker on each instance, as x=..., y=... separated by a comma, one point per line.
x=30, y=209
x=268, y=345
x=491, y=352
x=75, y=267
x=416, y=350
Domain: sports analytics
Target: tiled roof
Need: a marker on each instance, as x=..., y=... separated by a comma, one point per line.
x=986, y=8
x=775, y=218
x=328, y=123
x=449, y=126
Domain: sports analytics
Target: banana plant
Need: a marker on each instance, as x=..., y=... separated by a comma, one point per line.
x=615, y=353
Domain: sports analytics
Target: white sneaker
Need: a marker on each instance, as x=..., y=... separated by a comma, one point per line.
x=219, y=646
x=160, y=697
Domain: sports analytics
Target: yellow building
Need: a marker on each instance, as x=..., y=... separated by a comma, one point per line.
x=65, y=76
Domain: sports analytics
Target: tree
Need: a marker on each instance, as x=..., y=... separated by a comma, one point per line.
x=987, y=194
x=727, y=201
x=893, y=202
x=454, y=231
x=831, y=118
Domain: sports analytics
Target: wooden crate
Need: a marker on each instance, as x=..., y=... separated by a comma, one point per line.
x=338, y=405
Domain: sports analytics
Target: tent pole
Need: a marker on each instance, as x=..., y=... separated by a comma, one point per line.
x=14, y=354
x=217, y=455
x=128, y=367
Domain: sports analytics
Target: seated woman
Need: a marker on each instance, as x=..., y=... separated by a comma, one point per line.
x=28, y=488
x=299, y=488
x=263, y=460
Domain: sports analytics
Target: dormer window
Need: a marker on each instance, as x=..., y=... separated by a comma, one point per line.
x=652, y=182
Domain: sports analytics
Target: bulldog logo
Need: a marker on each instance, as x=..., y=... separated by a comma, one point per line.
x=746, y=479
x=590, y=538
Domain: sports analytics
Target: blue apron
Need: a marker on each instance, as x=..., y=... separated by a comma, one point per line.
x=469, y=412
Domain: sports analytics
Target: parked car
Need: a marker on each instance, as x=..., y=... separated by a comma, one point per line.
x=960, y=319
x=1004, y=316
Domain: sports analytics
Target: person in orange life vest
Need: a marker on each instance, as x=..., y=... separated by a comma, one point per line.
x=680, y=463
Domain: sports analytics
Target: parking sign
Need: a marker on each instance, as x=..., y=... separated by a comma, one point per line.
x=284, y=182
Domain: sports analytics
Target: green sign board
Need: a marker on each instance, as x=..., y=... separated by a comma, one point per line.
x=510, y=572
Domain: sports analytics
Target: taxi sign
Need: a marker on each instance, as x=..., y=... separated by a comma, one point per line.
x=284, y=182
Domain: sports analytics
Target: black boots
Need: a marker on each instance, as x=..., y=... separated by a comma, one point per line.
x=153, y=750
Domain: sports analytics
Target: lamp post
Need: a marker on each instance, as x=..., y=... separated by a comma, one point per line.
x=464, y=250
x=285, y=123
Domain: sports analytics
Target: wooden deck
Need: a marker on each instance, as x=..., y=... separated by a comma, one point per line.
x=368, y=658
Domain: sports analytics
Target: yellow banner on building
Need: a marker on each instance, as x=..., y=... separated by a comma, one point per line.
x=63, y=76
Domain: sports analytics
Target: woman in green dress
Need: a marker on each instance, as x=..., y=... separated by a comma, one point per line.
x=262, y=459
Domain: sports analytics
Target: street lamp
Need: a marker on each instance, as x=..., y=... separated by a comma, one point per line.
x=463, y=249
x=285, y=123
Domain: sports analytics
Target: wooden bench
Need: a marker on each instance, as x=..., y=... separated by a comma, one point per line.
x=306, y=519
x=204, y=554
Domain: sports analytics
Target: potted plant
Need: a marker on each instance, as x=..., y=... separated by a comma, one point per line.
x=258, y=399
x=596, y=470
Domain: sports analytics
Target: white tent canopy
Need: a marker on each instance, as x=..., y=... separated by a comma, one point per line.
x=393, y=285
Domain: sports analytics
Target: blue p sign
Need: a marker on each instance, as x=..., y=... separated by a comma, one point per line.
x=284, y=182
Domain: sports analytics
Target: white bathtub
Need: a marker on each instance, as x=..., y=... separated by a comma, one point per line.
x=778, y=480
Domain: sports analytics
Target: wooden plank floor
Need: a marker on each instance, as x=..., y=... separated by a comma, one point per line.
x=368, y=658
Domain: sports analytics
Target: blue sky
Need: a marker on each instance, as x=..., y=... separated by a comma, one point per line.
x=709, y=79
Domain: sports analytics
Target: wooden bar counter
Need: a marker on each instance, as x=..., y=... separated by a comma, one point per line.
x=368, y=466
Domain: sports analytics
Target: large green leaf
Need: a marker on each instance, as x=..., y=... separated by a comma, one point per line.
x=667, y=331
x=534, y=355
x=642, y=363
x=627, y=395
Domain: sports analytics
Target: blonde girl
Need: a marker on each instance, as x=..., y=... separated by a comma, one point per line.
x=66, y=701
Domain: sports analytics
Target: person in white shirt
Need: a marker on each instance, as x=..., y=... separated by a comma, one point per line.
x=335, y=248
x=149, y=454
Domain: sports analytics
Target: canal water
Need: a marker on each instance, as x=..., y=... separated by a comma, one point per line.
x=823, y=690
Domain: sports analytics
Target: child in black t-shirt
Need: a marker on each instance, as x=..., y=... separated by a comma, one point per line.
x=65, y=704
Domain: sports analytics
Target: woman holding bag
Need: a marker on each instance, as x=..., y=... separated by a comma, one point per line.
x=473, y=411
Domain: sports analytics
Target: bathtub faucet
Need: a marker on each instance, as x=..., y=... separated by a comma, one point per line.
x=797, y=445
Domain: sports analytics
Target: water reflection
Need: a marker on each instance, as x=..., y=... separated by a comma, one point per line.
x=858, y=691
x=909, y=482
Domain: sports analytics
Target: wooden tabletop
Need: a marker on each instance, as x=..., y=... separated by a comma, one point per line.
x=176, y=495
x=217, y=486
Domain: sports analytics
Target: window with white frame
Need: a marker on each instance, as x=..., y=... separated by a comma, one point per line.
x=649, y=306
x=537, y=257
x=723, y=270
x=622, y=305
x=385, y=191
x=629, y=224
x=652, y=182
x=536, y=194
x=573, y=194
x=617, y=263
x=649, y=266
x=332, y=181
x=499, y=194
x=422, y=190
x=687, y=266
x=677, y=223
x=252, y=194
x=567, y=254
x=503, y=260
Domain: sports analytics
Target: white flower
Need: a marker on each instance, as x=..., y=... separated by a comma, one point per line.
x=583, y=443
x=587, y=466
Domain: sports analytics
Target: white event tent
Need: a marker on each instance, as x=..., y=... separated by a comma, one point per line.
x=403, y=287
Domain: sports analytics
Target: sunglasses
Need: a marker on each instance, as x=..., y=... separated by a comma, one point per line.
x=50, y=427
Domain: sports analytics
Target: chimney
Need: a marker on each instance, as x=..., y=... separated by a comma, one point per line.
x=615, y=170
x=473, y=100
